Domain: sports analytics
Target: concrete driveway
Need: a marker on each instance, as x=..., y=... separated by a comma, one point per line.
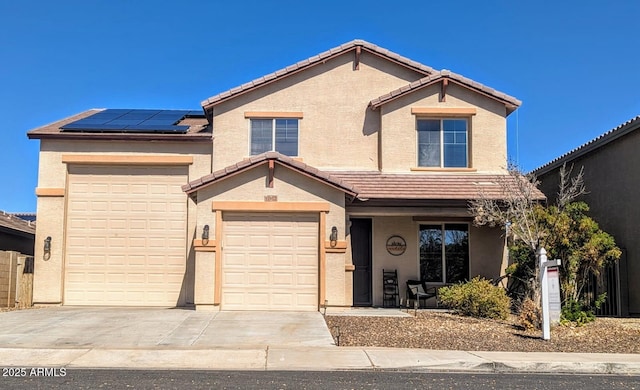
x=68, y=327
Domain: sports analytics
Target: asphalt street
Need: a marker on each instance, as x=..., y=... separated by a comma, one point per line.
x=186, y=379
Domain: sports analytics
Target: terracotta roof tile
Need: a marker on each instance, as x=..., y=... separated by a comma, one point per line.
x=376, y=185
x=510, y=101
x=316, y=59
x=262, y=159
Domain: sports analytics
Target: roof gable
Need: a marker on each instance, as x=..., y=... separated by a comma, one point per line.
x=265, y=158
x=355, y=45
x=510, y=102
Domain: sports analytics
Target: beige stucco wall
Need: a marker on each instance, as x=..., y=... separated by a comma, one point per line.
x=288, y=186
x=333, y=98
x=486, y=252
x=487, y=128
x=52, y=173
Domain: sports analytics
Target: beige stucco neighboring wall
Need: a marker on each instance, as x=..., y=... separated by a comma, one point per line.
x=612, y=177
x=52, y=174
x=333, y=98
x=487, y=128
x=244, y=189
x=486, y=252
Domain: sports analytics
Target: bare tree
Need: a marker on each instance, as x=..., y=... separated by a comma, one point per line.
x=515, y=211
x=570, y=188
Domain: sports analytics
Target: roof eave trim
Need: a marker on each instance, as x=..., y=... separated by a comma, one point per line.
x=190, y=189
x=209, y=103
x=510, y=105
x=113, y=137
x=596, y=143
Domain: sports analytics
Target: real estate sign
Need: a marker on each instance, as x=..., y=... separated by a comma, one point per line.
x=553, y=281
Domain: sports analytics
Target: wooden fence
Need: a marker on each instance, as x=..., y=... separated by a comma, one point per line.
x=16, y=280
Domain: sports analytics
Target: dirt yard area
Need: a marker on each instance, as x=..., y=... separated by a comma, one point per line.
x=444, y=331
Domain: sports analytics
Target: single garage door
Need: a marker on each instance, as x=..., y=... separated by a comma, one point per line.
x=126, y=235
x=270, y=261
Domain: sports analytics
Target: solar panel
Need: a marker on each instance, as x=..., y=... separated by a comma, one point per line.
x=115, y=120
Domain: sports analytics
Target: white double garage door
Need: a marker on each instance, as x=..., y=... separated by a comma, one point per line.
x=126, y=245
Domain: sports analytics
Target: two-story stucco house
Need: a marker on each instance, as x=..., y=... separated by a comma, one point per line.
x=289, y=192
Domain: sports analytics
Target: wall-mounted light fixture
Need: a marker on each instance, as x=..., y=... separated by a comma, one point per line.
x=47, y=248
x=205, y=235
x=333, y=237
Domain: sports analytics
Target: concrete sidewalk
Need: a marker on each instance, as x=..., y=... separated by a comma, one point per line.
x=146, y=338
x=321, y=359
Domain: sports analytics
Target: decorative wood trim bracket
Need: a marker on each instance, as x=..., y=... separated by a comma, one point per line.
x=119, y=159
x=50, y=192
x=443, y=90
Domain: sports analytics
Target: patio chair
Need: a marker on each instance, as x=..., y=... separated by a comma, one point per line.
x=417, y=291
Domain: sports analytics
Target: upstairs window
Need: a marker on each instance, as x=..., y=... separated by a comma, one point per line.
x=442, y=143
x=279, y=135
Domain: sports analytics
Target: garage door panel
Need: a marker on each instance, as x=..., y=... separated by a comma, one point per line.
x=283, y=260
x=257, y=241
x=283, y=279
x=306, y=261
x=129, y=225
x=308, y=280
x=283, y=300
x=257, y=280
x=256, y=260
x=267, y=248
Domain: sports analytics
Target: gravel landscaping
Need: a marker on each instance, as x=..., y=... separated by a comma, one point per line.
x=445, y=331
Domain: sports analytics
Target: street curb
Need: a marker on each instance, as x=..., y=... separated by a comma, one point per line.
x=317, y=359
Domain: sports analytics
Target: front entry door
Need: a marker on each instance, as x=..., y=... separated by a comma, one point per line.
x=361, y=254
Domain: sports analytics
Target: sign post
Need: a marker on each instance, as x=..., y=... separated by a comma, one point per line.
x=544, y=282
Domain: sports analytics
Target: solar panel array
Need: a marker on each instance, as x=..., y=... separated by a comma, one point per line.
x=133, y=121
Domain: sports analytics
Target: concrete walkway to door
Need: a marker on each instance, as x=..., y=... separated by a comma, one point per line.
x=92, y=327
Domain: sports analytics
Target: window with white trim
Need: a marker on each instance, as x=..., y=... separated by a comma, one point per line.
x=279, y=135
x=442, y=143
x=444, y=252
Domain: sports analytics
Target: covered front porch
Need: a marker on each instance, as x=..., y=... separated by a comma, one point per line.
x=435, y=250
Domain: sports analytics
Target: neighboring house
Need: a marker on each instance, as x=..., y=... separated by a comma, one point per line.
x=30, y=217
x=289, y=192
x=611, y=165
x=16, y=234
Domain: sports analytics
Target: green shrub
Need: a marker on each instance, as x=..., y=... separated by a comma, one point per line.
x=578, y=313
x=477, y=298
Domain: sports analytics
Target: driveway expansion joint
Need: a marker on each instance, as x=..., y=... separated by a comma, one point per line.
x=369, y=358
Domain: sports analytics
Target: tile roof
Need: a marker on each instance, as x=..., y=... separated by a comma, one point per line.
x=314, y=60
x=416, y=186
x=198, y=130
x=598, y=142
x=11, y=222
x=511, y=102
x=263, y=158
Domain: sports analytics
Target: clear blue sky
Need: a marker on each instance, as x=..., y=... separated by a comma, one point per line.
x=574, y=64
